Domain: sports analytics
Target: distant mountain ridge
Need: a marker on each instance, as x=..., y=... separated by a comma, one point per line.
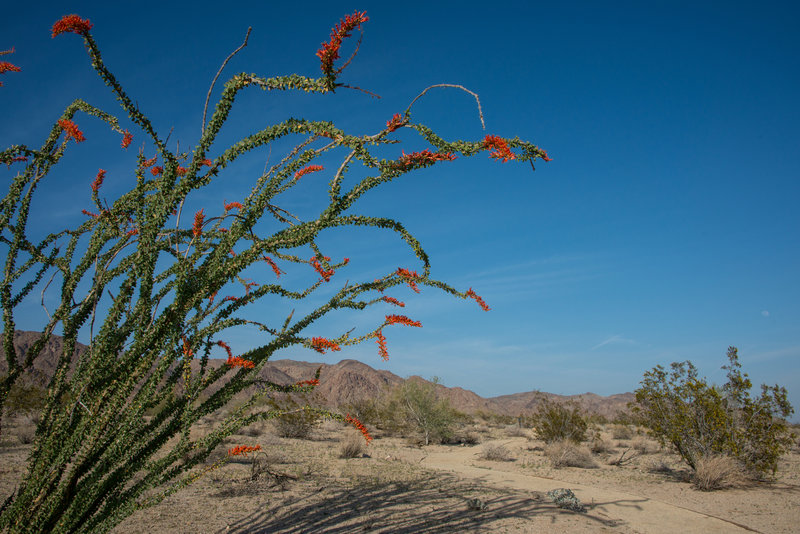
x=348, y=381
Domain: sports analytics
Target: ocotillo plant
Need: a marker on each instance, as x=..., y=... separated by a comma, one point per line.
x=157, y=293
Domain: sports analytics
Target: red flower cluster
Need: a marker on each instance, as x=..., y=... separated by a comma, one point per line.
x=499, y=147
x=230, y=206
x=330, y=51
x=359, y=425
x=197, y=227
x=155, y=171
x=307, y=170
x=380, y=339
x=71, y=23
x=326, y=275
x=396, y=122
x=180, y=171
x=72, y=130
x=187, y=349
x=320, y=344
x=208, y=163
x=471, y=294
x=238, y=361
x=5, y=66
x=545, y=156
x=392, y=300
x=98, y=180
x=274, y=266
x=243, y=450
x=149, y=162
x=402, y=319
x=127, y=138
x=409, y=276
x=312, y=382
x=222, y=343
x=421, y=159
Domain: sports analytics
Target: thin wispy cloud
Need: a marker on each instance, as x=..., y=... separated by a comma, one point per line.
x=614, y=340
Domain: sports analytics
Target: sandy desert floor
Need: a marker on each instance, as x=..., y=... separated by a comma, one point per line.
x=398, y=487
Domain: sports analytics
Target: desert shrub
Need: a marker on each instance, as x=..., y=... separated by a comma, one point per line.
x=564, y=453
x=496, y=453
x=600, y=445
x=621, y=432
x=554, y=421
x=462, y=437
x=352, y=446
x=25, y=398
x=414, y=407
x=702, y=420
x=718, y=472
x=298, y=423
x=365, y=410
x=642, y=445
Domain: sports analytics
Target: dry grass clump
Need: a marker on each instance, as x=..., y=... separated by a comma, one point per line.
x=621, y=432
x=718, y=472
x=496, y=453
x=352, y=446
x=565, y=454
x=643, y=445
x=600, y=445
x=516, y=431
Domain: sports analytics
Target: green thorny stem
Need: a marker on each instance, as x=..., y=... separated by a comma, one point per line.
x=115, y=434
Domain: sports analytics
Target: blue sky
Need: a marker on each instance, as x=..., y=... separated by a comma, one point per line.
x=665, y=228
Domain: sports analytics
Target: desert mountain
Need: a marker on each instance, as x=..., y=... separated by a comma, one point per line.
x=346, y=382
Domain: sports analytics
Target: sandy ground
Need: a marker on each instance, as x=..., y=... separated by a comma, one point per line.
x=398, y=487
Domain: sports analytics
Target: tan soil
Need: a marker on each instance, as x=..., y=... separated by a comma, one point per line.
x=402, y=488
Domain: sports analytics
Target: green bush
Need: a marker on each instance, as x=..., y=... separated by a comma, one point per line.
x=24, y=398
x=414, y=406
x=555, y=421
x=702, y=420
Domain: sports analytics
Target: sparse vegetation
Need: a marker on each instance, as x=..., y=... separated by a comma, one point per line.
x=556, y=421
x=496, y=453
x=352, y=446
x=564, y=453
x=414, y=407
x=705, y=421
x=718, y=472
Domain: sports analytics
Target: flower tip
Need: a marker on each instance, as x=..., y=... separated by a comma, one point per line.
x=71, y=23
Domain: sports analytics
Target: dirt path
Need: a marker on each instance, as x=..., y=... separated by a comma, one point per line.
x=638, y=513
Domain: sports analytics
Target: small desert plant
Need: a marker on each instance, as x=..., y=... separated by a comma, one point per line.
x=702, y=420
x=563, y=453
x=554, y=421
x=352, y=446
x=25, y=398
x=516, y=431
x=642, y=445
x=496, y=453
x=718, y=472
x=297, y=423
x=621, y=432
x=600, y=445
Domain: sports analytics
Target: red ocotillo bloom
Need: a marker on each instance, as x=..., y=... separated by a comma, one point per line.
x=396, y=122
x=127, y=138
x=330, y=50
x=71, y=130
x=471, y=294
x=402, y=319
x=421, y=159
x=409, y=276
x=392, y=300
x=197, y=227
x=320, y=344
x=98, y=180
x=312, y=382
x=360, y=426
x=243, y=450
x=238, y=361
x=71, y=23
x=5, y=66
x=307, y=170
x=380, y=339
x=499, y=148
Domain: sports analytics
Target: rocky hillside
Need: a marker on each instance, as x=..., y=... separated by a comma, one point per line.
x=349, y=381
